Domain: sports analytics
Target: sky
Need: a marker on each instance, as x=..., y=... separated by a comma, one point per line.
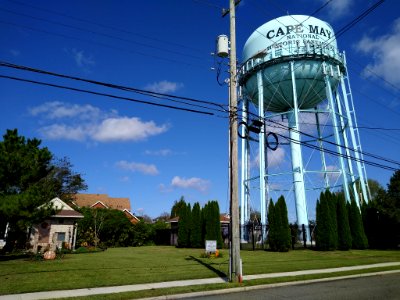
x=152, y=154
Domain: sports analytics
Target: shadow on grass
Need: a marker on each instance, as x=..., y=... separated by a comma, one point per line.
x=208, y=266
x=6, y=257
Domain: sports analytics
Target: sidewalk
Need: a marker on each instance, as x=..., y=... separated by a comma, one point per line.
x=170, y=284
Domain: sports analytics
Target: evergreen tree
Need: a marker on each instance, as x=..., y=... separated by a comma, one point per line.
x=178, y=207
x=344, y=233
x=217, y=224
x=212, y=225
x=332, y=201
x=324, y=230
x=272, y=226
x=279, y=236
x=184, y=226
x=284, y=236
x=196, y=227
x=359, y=239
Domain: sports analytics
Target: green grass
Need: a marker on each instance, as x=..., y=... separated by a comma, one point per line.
x=121, y=266
x=218, y=286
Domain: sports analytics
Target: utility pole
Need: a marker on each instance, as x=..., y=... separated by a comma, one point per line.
x=235, y=262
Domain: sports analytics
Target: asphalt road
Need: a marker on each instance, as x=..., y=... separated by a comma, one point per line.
x=385, y=287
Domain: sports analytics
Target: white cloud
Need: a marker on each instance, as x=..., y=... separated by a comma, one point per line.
x=199, y=184
x=385, y=54
x=59, y=110
x=137, y=167
x=162, y=152
x=164, y=86
x=62, y=131
x=164, y=189
x=81, y=59
x=275, y=158
x=338, y=8
x=307, y=124
x=334, y=173
x=86, y=122
x=125, y=179
x=126, y=129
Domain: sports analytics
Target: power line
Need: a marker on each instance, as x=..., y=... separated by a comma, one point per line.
x=341, y=31
x=102, y=44
x=99, y=33
x=210, y=113
x=358, y=19
x=103, y=25
x=104, y=94
x=359, y=127
x=332, y=152
x=338, y=145
x=332, y=143
x=221, y=107
x=378, y=76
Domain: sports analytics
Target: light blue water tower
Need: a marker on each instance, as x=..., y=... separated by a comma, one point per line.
x=291, y=65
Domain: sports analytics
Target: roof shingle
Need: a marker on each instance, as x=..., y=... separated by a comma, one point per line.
x=87, y=200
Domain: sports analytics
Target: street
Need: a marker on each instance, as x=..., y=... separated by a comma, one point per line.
x=372, y=287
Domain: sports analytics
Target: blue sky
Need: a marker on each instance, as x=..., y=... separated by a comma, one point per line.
x=155, y=155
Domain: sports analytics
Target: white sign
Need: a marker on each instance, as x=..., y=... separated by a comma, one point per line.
x=211, y=246
x=2, y=244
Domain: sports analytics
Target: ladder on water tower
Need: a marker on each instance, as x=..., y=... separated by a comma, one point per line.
x=357, y=146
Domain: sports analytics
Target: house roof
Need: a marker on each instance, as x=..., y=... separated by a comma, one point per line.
x=131, y=216
x=88, y=200
x=173, y=220
x=223, y=218
x=98, y=204
x=66, y=211
x=68, y=214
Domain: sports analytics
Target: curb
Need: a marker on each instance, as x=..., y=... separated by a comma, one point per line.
x=265, y=286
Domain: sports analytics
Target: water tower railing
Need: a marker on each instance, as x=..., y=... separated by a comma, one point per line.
x=276, y=55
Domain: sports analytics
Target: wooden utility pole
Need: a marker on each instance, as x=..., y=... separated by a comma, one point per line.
x=235, y=262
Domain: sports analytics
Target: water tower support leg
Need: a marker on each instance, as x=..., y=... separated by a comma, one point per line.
x=297, y=161
x=337, y=136
x=261, y=145
x=347, y=149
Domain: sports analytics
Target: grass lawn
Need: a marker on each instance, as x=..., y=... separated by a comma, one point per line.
x=121, y=266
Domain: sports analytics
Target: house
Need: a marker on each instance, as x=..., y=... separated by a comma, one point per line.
x=224, y=220
x=56, y=231
x=104, y=201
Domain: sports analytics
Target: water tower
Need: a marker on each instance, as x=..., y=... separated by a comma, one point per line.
x=292, y=70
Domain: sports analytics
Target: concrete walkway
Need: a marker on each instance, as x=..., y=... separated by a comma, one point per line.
x=170, y=284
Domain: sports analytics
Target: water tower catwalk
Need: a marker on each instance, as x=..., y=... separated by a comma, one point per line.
x=299, y=130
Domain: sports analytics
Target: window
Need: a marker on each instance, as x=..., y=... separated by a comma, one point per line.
x=60, y=236
x=44, y=225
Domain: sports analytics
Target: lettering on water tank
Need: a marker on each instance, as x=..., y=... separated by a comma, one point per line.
x=297, y=29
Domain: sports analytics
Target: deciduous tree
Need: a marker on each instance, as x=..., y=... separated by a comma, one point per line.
x=29, y=178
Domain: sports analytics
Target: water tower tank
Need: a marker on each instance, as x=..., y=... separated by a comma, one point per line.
x=305, y=40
